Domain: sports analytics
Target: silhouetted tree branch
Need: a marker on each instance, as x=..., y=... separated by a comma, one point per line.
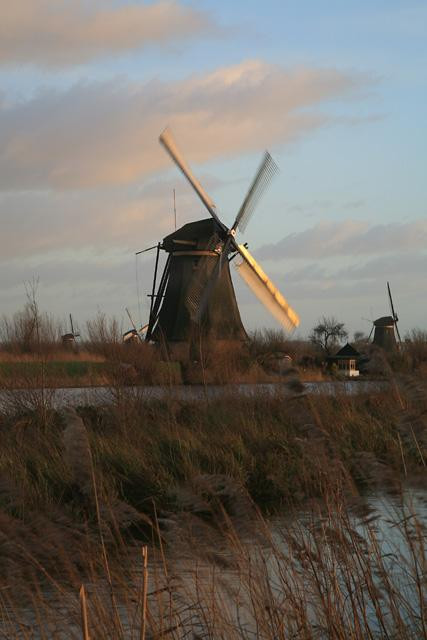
x=327, y=333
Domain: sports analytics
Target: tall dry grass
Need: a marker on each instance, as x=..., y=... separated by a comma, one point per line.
x=282, y=449
x=325, y=573
x=80, y=490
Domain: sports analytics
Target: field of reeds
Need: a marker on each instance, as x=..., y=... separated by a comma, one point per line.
x=81, y=491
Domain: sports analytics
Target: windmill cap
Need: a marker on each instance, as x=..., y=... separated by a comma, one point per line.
x=385, y=321
x=192, y=231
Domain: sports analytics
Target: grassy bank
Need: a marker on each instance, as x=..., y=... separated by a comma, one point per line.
x=143, y=456
x=81, y=491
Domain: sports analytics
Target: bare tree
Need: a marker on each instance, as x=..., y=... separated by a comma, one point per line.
x=105, y=334
x=29, y=330
x=328, y=333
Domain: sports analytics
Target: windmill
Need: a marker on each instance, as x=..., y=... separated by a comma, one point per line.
x=133, y=336
x=195, y=296
x=69, y=339
x=386, y=329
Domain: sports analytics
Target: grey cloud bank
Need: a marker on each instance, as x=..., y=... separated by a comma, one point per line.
x=348, y=238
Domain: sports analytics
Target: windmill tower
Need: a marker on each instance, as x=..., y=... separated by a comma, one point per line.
x=69, y=340
x=195, y=296
x=386, y=329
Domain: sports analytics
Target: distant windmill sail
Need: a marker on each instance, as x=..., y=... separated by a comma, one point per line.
x=394, y=314
x=266, y=291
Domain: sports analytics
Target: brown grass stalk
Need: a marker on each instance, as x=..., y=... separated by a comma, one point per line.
x=84, y=614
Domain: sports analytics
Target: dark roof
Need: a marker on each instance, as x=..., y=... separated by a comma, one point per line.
x=195, y=233
x=385, y=321
x=347, y=351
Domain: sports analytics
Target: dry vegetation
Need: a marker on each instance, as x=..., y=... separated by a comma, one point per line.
x=326, y=575
x=79, y=489
x=32, y=354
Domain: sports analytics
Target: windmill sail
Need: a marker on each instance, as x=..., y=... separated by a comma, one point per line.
x=266, y=291
x=393, y=313
x=166, y=139
x=200, y=282
x=266, y=171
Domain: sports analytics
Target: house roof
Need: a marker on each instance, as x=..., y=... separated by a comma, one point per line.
x=347, y=351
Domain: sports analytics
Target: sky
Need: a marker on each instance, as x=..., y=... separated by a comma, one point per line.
x=337, y=92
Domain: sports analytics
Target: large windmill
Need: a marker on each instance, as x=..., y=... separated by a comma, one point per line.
x=195, y=295
x=385, y=328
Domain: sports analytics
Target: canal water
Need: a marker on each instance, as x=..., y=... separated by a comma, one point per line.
x=97, y=396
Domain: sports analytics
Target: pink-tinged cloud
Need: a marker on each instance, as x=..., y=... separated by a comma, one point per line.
x=36, y=223
x=107, y=134
x=348, y=238
x=59, y=33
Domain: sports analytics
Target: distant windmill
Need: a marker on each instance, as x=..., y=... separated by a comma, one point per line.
x=385, y=328
x=133, y=335
x=195, y=295
x=69, y=339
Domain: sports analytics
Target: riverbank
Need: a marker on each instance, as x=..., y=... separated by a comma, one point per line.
x=81, y=487
x=138, y=456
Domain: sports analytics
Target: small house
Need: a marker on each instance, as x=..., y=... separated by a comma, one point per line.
x=346, y=360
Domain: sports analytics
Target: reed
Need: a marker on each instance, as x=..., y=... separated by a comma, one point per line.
x=324, y=573
x=80, y=490
x=146, y=455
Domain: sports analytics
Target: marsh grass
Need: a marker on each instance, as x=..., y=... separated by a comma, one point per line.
x=80, y=491
x=319, y=574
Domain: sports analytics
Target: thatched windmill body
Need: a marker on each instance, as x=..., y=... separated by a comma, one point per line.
x=385, y=328
x=195, y=295
x=69, y=340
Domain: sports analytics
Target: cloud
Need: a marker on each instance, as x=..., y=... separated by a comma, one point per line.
x=350, y=284
x=348, y=238
x=58, y=33
x=106, y=133
x=36, y=222
x=78, y=283
x=382, y=268
x=57, y=271
x=385, y=267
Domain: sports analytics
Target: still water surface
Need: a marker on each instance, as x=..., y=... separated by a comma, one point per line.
x=103, y=395
x=234, y=584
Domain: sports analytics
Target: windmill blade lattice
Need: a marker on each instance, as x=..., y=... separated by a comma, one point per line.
x=266, y=171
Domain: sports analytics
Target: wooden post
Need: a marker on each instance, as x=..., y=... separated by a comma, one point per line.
x=151, y=316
